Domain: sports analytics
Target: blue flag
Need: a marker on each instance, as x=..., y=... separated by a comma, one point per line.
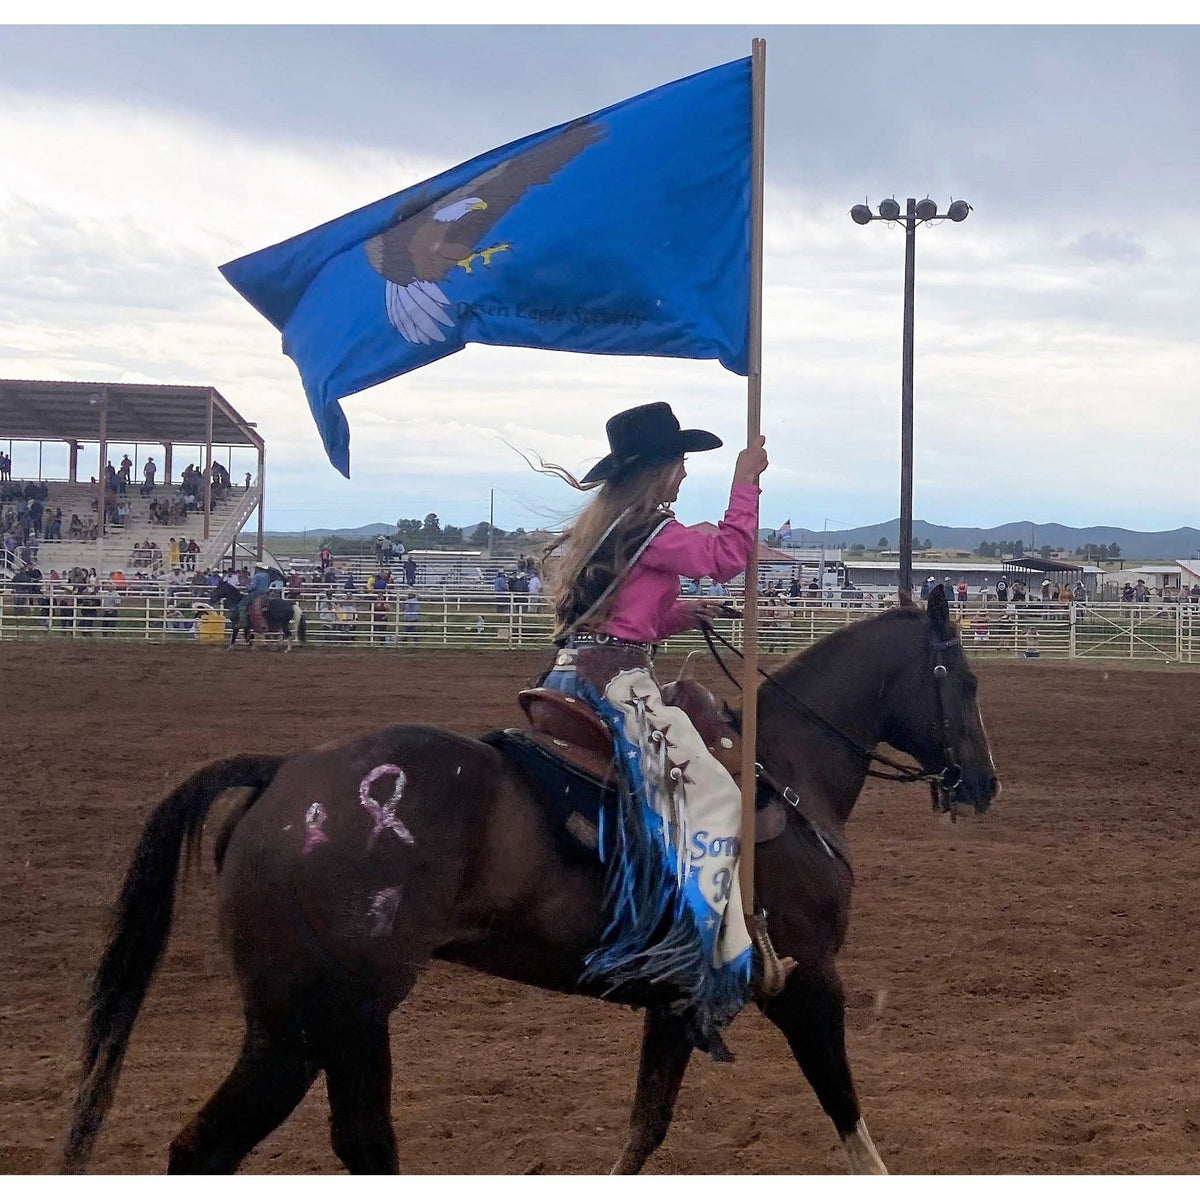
x=623, y=232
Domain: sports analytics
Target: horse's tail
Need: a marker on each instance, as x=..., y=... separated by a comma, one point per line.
x=301, y=626
x=141, y=924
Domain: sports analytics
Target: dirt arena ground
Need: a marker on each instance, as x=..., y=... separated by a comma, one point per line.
x=1024, y=987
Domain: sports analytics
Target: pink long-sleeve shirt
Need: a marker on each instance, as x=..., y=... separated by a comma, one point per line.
x=647, y=606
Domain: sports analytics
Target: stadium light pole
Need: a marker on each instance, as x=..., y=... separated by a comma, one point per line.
x=915, y=213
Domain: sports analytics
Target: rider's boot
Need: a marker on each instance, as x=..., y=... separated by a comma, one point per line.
x=769, y=972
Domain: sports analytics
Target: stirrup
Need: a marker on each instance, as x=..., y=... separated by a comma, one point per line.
x=775, y=970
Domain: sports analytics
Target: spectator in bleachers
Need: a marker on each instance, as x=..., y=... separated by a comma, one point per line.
x=148, y=473
x=500, y=585
x=123, y=475
x=247, y=481
x=173, y=559
x=410, y=571
x=193, y=548
x=519, y=586
x=177, y=581
x=22, y=586
x=5, y=468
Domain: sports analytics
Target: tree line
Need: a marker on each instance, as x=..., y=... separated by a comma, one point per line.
x=426, y=533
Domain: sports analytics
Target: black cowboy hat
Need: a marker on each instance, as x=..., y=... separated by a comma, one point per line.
x=646, y=434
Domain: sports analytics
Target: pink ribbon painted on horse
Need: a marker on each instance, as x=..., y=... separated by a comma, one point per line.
x=383, y=816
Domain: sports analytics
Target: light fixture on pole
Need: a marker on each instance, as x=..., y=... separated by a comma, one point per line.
x=915, y=213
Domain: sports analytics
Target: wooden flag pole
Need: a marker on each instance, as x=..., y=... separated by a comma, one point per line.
x=758, y=89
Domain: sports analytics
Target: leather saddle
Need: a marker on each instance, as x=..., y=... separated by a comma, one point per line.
x=568, y=729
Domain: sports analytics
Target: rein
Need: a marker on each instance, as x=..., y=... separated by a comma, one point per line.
x=942, y=784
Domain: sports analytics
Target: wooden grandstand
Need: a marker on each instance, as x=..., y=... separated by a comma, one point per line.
x=96, y=421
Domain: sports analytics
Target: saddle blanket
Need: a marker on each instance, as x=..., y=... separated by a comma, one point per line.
x=574, y=800
x=570, y=798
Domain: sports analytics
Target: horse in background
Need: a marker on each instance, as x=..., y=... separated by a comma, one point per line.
x=278, y=613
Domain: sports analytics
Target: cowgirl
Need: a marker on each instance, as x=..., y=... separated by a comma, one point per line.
x=616, y=592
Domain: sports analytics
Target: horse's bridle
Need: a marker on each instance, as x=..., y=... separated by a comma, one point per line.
x=942, y=784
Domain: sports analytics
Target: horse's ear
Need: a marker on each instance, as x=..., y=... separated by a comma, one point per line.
x=939, y=611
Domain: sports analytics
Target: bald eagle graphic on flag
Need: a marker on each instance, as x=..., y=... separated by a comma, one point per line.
x=422, y=250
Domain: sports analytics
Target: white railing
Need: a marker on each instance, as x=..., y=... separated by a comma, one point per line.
x=149, y=611
x=220, y=539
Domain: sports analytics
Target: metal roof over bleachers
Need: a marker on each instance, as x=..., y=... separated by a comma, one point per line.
x=61, y=410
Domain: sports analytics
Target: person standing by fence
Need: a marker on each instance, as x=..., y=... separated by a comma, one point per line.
x=500, y=587
x=110, y=602
x=412, y=616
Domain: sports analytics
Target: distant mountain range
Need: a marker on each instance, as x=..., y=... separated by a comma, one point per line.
x=1169, y=543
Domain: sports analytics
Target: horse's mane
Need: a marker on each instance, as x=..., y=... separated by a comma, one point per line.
x=815, y=656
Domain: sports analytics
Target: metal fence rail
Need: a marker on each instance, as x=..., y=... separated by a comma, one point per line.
x=437, y=618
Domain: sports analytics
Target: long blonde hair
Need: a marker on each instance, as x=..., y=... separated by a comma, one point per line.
x=598, y=544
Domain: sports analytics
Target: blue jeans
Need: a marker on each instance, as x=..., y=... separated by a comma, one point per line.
x=562, y=676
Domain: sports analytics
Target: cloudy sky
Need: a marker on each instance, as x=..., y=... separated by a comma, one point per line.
x=1057, y=343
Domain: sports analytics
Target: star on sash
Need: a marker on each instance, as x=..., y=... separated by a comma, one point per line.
x=663, y=730
x=682, y=769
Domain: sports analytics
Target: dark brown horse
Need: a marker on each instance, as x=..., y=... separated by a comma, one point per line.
x=348, y=867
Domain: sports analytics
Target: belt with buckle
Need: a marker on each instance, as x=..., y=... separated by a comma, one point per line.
x=604, y=639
